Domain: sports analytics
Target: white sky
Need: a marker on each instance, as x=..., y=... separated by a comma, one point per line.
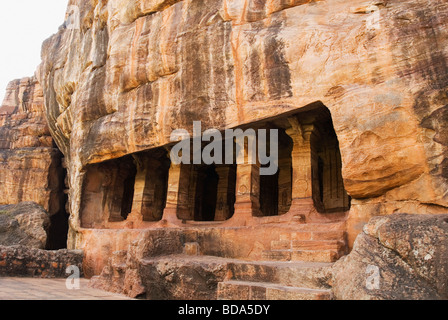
x=24, y=25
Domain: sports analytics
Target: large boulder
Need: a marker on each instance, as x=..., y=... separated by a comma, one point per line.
x=24, y=224
x=399, y=256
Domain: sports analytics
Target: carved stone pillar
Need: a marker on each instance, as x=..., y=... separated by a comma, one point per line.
x=149, y=189
x=177, y=204
x=333, y=195
x=139, y=189
x=302, y=177
x=194, y=194
x=247, y=191
x=115, y=192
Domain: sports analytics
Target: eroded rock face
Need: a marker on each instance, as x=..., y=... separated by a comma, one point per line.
x=135, y=70
x=24, y=224
x=396, y=257
x=30, y=164
x=120, y=75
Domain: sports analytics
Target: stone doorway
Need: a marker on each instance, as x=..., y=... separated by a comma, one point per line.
x=151, y=185
x=317, y=163
x=108, y=192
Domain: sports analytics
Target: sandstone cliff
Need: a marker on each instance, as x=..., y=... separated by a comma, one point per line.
x=31, y=168
x=357, y=87
x=132, y=71
x=28, y=157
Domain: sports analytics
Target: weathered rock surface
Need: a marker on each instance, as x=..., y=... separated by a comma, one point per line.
x=30, y=164
x=24, y=224
x=135, y=70
x=396, y=257
x=130, y=72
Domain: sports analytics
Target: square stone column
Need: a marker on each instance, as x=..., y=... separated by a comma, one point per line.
x=247, y=202
x=139, y=190
x=177, y=206
x=148, y=189
x=334, y=196
x=302, y=176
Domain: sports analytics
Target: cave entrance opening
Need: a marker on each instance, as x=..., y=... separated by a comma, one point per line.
x=329, y=194
x=146, y=185
x=108, y=191
x=132, y=185
x=211, y=193
x=57, y=233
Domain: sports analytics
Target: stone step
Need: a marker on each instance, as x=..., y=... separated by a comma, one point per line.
x=318, y=245
x=192, y=249
x=313, y=275
x=302, y=255
x=315, y=255
x=314, y=235
x=281, y=244
x=329, y=235
x=246, y=290
x=308, y=245
x=319, y=227
x=215, y=270
x=277, y=255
